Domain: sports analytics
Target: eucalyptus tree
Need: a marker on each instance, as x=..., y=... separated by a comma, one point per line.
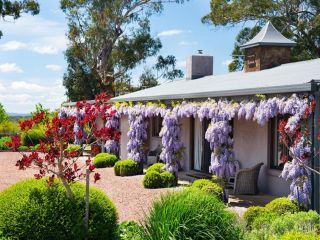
x=13, y=9
x=107, y=40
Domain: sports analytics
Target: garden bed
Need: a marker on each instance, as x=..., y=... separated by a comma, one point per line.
x=130, y=197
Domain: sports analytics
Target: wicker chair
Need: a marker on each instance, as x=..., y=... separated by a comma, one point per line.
x=153, y=156
x=246, y=180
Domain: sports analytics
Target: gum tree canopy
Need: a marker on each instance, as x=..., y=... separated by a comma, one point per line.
x=107, y=40
x=297, y=20
x=9, y=8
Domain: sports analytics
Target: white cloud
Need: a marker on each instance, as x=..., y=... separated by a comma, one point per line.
x=186, y=43
x=44, y=36
x=227, y=62
x=54, y=68
x=170, y=33
x=22, y=85
x=10, y=67
x=2, y=88
x=21, y=99
x=12, y=45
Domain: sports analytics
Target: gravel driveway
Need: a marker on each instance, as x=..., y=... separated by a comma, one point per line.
x=130, y=197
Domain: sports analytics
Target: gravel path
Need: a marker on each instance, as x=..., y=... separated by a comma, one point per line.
x=130, y=197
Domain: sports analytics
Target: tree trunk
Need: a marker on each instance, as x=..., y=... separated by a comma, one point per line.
x=86, y=219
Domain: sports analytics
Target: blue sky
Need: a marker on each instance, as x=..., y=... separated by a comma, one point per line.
x=32, y=62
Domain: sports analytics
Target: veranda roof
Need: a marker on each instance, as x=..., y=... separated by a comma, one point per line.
x=287, y=78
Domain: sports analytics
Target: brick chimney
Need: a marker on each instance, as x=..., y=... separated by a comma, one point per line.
x=199, y=65
x=268, y=49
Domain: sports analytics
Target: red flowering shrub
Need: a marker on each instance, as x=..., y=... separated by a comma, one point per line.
x=79, y=126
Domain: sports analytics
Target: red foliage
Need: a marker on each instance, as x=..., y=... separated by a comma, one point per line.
x=51, y=158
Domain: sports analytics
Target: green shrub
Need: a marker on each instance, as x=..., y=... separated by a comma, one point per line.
x=208, y=186
x=281, y=205
x=271, y=226
x=74, y=148
x=152, y=179
x=264, y=220
x=168, y=179
x=252, y=213
x=293, y=235
x=300, y=221
x=32, y=137
x=3, y=141
x=23, y=148
x=158, y=167
x=9, y=127
x=190, y=214
x=31, y=210
x=130, y=230
x=127, y=167
x=103, y=160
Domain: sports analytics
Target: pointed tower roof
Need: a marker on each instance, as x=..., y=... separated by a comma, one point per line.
x=269, y=36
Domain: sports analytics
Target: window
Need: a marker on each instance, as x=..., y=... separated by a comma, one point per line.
x=279, y=153
x=156, y=126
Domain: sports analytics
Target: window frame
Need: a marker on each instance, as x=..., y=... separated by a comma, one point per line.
x=274, y=144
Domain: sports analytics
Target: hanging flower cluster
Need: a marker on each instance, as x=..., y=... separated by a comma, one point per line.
x=172, y=151
x=112, y=122
x=137, y=136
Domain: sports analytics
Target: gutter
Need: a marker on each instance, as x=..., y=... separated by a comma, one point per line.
x=305, y=87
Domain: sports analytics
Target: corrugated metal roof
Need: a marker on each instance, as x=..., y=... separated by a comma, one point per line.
x=287, y=78
x=269, y=36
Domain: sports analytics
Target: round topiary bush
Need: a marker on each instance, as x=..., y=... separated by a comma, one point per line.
x=31, y=210
x=168, y=179
x=127, y=167
x=252, y=213
x=281, y=205
x=103, y=160
x=32, y=137
x=190, y=214
x=152, y=179
x=208, y=187
x=158, y=167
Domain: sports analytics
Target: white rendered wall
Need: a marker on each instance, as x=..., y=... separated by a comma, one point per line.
x=250, y=148
x=124, y=128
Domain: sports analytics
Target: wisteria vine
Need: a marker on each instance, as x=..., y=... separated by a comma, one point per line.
x=220, y=113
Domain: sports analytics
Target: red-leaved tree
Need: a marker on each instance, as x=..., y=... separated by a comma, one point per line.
x=78, y=125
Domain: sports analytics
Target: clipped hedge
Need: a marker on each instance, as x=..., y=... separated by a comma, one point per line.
x=157, y=177
x=31, y=210
x=190, y=214
x=158, y=167
x=281, y=205
x=127, y=167
x=208, y=186
x=32, y=137
x=252, y=213
x=152, y=179
x=276, y=207
x=168, y=179
x=103, y=160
